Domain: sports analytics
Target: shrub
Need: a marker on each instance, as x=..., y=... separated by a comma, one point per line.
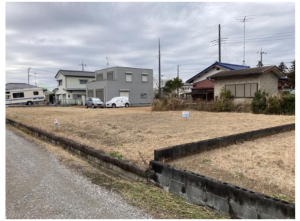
x=167, y=104
x=288, y=104
x=259, y=102
x=225, y=103
x=283, y=103
x=274, y=104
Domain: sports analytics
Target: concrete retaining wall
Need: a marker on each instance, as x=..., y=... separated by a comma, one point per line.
x=205, y=145
x=99, y=158
x=225, y=198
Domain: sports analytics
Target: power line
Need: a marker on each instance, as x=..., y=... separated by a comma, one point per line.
x=281, y=33
x=233, y=42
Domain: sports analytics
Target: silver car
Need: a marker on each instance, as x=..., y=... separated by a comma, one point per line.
x=93, y=102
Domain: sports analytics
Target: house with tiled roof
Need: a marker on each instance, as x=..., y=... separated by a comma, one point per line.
x=203, y=86
x=244, y=83
x=71, y=85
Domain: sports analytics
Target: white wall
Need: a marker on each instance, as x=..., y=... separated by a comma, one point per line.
x=209, y=73
x=73, y=82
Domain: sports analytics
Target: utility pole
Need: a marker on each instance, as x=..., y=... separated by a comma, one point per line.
x=219, y=43
x=159, y=71
x=82, y=65
x=244, y=19
x=260, y=64
x=35, y=78
x=178, y=70
x=107, y=61
x=28, y=73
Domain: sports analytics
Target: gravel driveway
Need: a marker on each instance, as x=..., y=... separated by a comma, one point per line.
x=38, y=186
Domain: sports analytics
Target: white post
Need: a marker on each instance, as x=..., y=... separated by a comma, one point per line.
x=83, y=100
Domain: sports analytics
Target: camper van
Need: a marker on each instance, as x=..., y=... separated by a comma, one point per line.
x=19, y=93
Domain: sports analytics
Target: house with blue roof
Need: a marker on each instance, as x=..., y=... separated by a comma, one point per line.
x=203, y=86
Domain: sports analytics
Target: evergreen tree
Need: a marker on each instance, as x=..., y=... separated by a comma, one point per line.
x=173, y=85
x=283, y=67
x=291, y=75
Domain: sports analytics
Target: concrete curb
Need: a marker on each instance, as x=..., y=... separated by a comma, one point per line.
x=123, y=168
x=226, y=198
x=178, y=151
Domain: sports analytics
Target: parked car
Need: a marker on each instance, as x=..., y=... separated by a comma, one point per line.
x=93, y=102
x=118, y=102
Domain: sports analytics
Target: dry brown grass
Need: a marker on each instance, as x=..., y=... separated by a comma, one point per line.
x=130, y=130
x=264, y=165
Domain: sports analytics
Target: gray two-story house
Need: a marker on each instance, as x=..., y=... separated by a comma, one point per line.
x=134, y=83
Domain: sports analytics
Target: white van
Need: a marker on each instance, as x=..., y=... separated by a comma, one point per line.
x=118, y=102
x=26, y=96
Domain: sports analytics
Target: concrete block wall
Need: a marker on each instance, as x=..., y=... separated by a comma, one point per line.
x=268, y=82
x=226, y=198
x=205, y=145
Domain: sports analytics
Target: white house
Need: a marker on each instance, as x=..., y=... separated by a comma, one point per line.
x=185, y=90
x=71, y=85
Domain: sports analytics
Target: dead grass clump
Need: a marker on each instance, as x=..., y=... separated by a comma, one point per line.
x=167, y=104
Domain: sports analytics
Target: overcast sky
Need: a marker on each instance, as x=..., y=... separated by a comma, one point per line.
x=53, y=36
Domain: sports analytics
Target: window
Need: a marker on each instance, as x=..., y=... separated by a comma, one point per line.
x=247, y=90
x=231, y=88
x=242, y=90
x=110, y=76
x=18, y=95
x=83, y=81
x=128, y=77
x=59, y=82
x=144, y=78
x=143, y=95
x=68, y=95
x=7, y=92
x=253, y=90
x=35, y=93
x=100, y=77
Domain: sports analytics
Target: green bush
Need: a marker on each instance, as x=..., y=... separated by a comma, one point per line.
x=259, y=102
x=283, y=103
x=274, y=104
x=225, y=103
x=288, y=104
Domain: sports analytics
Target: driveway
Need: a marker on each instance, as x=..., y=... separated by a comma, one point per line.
x=38, y=186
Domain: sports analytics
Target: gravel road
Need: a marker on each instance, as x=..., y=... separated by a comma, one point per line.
x=38, y=186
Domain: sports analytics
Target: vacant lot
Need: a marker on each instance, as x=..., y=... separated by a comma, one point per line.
x=265, y=165
x=129, y=131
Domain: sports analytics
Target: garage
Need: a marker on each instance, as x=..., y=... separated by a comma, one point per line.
x=100, y=94
x=124, y=94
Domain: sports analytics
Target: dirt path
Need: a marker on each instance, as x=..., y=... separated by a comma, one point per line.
x=38, y=187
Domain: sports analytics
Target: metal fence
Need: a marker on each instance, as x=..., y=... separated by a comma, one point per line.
x=70, y=101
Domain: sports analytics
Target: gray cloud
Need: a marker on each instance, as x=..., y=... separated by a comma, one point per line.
x=53, y=36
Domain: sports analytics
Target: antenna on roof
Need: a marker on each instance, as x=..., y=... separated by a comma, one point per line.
x=82, y=65
x=244, y=19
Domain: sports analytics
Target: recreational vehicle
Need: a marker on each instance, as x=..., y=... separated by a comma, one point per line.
x=20, y=93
